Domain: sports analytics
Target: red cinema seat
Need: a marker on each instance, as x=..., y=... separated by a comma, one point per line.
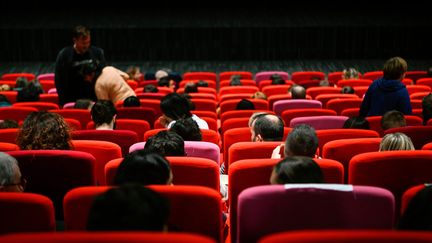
x=306, y=75
x=138, y=113
x=16, y=113
x=325, y=136
x=9, y=135
x=288, y=115
x=39, y=105
x=78, y=114
x=420, y=135
x=227, y=75
x=200, y=75
x=137, y=126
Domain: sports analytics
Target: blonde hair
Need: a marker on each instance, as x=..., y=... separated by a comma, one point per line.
x=350, y=73
x=396, y=141
x=259, y=95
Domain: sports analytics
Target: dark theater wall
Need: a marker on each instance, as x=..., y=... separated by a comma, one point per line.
x=218, y=34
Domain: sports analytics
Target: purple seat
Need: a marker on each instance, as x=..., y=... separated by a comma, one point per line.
x=281, y=105
x=46, y=76
x=269, y=209
x=267, y=74
x=193, y=149
x=320, y=122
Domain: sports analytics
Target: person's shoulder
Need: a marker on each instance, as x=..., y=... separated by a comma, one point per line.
x=66, y=51
x=96, y=49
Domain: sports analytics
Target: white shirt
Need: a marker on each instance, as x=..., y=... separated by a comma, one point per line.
x=201, y=123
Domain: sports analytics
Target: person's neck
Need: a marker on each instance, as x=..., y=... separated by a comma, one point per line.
x=105, y=126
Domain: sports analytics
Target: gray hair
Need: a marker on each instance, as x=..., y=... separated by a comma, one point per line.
x=8, y=167
x=301, y=141
x=396, y=141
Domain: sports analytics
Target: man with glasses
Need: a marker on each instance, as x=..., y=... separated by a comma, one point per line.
x=11, y=179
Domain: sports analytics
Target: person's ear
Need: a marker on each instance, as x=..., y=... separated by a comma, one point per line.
x=259, y=138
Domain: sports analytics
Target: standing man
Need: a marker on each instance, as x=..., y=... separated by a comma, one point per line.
x=69, y=82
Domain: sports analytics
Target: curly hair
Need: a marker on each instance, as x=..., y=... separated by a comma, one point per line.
x=44, y=130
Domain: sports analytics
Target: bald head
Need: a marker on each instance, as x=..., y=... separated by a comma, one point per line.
x=298, y=92
x=268, y=128
x=160, y=74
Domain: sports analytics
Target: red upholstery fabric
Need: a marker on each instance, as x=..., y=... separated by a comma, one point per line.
x=123, y=138
x=350, y=112
x=344, y=149
x=394, y=170
x=8, y=147
x=203, y=96
x=288, y=115
x=276, y=89
x=354, y=82
x=324, y=98
x=269, y=209
x=102, y=151
x=137, y=126
x=79, y=114
x=339, y=105
x=16, y=113
x=251, y=150
x=73, y=124
x=267, y=82
x=226, y=97
x=139, y=113
x=320, y=122
x=106, y=237
x=25, y=212
x=420, y=135
x=200, y=75
x=306, y=75
x=417, y=88
x=239, y=114
x=204, y=104
x=50, y=98
x=54, y=172
x=315, y=91
x=151, y=96
x=339, y=236
x=194, y=209
x=14, y=76
x=206, y=90
x=415, y=75
x=373, y=75
x=375, y=122
x=254, y=172
x=39, y=105
x=238, y=90
x=211, y=82
x=227, y=75
x=282, y=105
x=418, y=95
x=207, y=135
x=8, y=135
x=234, y=123
x=186, y=171
x=325, y=136
x=244, y=82
x=425, y=81
x=408, y=195
x=211, y=114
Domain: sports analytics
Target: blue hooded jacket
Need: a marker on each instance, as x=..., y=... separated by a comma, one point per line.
x=385, y=95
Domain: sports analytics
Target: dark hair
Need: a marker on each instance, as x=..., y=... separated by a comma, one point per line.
x=8, y=123
x=80, y=31
x=188, y=129
x=418, y=214
x=324, y=83
x=4, y=101
x=83, y=104
x=427, y=108
x=20, y=83
x=297, y=92
x=202, y=83
x=297, y=169
x=128, y=208
x=144, y=168
x=270, y=127
x=235, y=80
x=175, y=106
x=276, y=79
x=164, y=81
x=191, y=87
x=166, y=143
x=87, y=67
x=347, y=90
x=131, y=101
x=356, y=122
x=394, y=68
x=429, y=72
x=392, y=119
x=150, y=88
x=103, y=111
x=301, y=141
x=245, y=104
x=29, y=93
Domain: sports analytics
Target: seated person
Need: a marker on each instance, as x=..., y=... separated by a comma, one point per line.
x=4, y=102
x=324, y=83
x=427, y=108
x=259, y=95
x=297, y=92
x=103, y=114
x=301, y=141
x=276, y=79
x=144, y=168
x=11, y=179
x=29, y=93
x=84, y=104
x=347, y=90
x=44, y=130
x=356, y=122
x=396, y=141
x=132, y=101
x=134, y=73
x=166, y=81
x=188, y=129
x=350, y=73
x=296, y=169
x=166, y=143
x=267, y=127
x=418, y=214
x=393, y=119
x=190, y=87
x=150, y=88
x=245, y=104
x=5, y=124
x=202, y=83
x=20, y=83
x=235, y=80
x=129, y=208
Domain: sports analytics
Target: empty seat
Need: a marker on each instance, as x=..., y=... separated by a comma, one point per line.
x=16, y=113
x=282, y=105
x=227, y=75
x=320, y=122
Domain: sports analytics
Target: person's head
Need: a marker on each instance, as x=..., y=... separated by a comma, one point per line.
x=166, y=82
x=347, y=90
x=103, y=114
x=150, y=88
x=301, y=141
x=144, y=168
x=245, y=104
x=5, y=87
x=202, y=83
x=276, y=79
x=395, y=68
x=191, y=87
x=350, y=73
x=418, y=214
x=356, y=122
x=161, y=74
x=84, y=104
x=134, y=73
x=11, y=179
x=296, y=169
x=427, y=108
x=44, y=130
x=128, y=208
x=81, y=39
x=166, y=143
x=20, y=83
x=235, y=80
x=175, y=106
x=88, y=69
x=8, y=123
x=131, y=101
x=396, y=141
x=297, y=92
x=255, y=116
x=29, y=93
x=188, y=129
x=324, y=83
x=393, y=119
x=267, y=128
x=259, y=95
